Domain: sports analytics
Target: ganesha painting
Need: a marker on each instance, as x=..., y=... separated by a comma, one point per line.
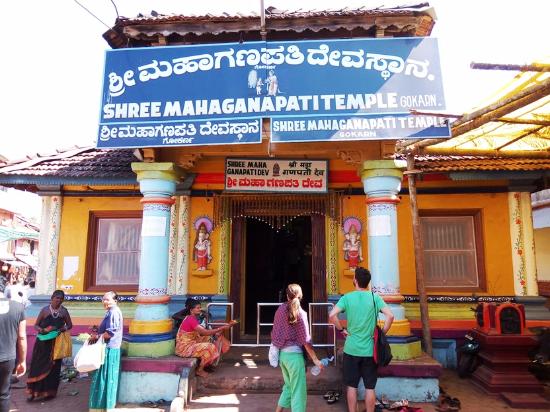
x=353, y=253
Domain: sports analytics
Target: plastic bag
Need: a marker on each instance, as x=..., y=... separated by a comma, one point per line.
x=63, y=346
x=90, y=356
x=273, y=355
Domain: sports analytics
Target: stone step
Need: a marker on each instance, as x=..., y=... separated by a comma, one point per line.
x=244, y=370
x=261, y=378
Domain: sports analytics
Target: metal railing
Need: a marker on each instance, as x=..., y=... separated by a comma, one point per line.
x=259, y=324
x=208, y=323
x=311, y=325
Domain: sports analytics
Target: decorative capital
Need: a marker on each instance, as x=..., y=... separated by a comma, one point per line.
x=163, y=171
x=382, y=168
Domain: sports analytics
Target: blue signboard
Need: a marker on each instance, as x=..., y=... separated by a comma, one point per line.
x=217, y=94
x=358, y=127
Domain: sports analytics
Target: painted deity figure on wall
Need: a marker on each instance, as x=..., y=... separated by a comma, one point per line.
x=353, y=253
x=202, y=251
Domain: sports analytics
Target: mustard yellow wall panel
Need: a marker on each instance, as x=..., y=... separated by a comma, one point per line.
x=495, y=231
x=542, y=251
x=73, y=236
x=203, y=282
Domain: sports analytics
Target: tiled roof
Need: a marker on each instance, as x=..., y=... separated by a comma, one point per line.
x=272, y=13
x=173, y=29
x=74, y=165
x=435, y=163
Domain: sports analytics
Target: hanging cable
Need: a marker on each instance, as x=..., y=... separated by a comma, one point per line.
x=97, y=18
x=116, y=9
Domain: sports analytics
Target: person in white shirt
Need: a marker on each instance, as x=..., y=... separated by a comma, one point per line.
x=17, y=292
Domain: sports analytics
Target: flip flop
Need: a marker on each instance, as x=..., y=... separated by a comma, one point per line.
x=328, y=394
x=149, y=404
x=399, y=404
x=334, y=398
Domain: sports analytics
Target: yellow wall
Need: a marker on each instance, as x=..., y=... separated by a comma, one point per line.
x=496, y=234
x=496, y=239
x=203, y=206
x=74, y=232
x=542, y=250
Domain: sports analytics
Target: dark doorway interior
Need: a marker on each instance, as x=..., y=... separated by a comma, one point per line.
x=273, y=260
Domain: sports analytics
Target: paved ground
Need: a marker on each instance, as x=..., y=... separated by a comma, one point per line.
x=73, y=396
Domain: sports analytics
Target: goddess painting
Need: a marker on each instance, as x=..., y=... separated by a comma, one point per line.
x=353, y=253
x=202, y=246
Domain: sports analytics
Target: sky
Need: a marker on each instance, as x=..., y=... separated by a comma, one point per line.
x=53, y=55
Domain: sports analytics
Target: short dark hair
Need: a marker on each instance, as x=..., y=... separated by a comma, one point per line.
x=190, y=303
x=58, y=292
x=362, y=277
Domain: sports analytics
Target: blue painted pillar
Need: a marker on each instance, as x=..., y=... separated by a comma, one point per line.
x=151, y=328
x=382, y=183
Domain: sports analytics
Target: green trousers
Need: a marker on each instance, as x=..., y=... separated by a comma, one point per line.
x=104, y=387
x=294, y=395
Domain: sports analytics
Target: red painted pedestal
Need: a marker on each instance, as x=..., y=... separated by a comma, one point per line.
x=504, y=363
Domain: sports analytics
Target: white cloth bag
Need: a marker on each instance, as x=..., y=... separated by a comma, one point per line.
x=273, y=355
x=90, y=356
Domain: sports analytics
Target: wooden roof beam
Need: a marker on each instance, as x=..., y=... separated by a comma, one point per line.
x=490, y=113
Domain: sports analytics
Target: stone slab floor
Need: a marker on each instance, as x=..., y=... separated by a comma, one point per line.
x=73, y=397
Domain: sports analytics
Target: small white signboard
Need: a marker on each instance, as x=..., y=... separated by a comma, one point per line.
x=153, y=226
x=276, y=175
x=379, y=225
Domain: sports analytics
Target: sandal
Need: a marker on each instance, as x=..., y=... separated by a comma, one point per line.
x=149, y=404
x=335, y=397
x=399, y=404
x=444, y=405
x=328, y=394
x=454, y=402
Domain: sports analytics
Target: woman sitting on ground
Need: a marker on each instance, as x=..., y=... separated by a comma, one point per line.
x=43, y=379
x=194, y=341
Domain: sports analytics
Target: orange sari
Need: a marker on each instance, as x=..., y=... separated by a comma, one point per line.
x=193, y=345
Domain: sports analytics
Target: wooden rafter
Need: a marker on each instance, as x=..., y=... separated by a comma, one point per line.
x=490, y=113
x=518, y=138
x=537, y=67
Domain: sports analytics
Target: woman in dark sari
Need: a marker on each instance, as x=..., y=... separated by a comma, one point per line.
x=43, y=379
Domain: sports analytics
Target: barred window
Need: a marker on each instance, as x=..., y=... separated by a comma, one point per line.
x=453, y=250
x=114, y=245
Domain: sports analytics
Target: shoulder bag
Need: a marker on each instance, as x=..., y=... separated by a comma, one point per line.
x=381, y=349
x=63, y=346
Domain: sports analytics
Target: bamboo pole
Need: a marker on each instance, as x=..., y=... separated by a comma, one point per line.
x=489, y=113
x=544, y=85
x=523, y=121
x=422, y=113
x=419, y=256
x=521, y=136
x=515, y=67
x=504, y=109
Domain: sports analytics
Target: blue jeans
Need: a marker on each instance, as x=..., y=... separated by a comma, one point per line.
x=6, y=369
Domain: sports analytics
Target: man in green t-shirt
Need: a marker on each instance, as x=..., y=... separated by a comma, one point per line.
x=361, y=307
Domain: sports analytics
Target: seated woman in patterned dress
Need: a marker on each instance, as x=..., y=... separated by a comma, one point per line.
x=194, y=341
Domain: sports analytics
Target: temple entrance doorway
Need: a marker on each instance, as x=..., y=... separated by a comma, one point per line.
x=275, y=240
x=275, y=258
